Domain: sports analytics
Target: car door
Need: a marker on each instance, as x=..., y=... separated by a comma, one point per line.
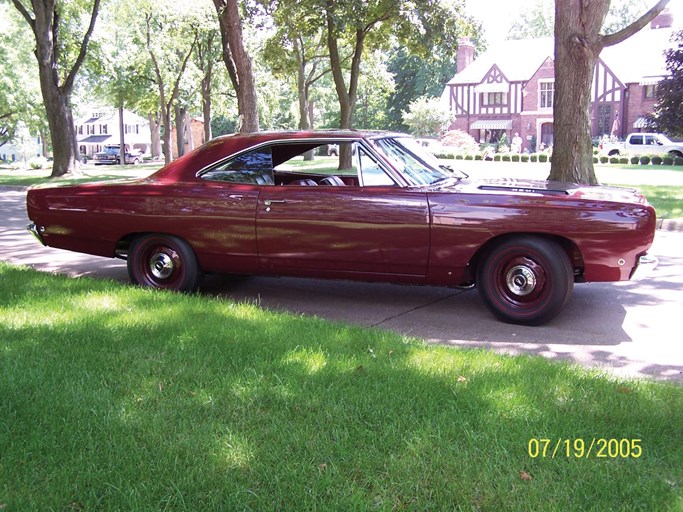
x=373, y=228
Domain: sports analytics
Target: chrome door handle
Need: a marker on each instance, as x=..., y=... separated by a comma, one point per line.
x=268, y=202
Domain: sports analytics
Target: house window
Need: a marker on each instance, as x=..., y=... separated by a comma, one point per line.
x=103, y=129
x=80, y=129
x=91, y=129
x=604, y=119
x=546, y=93
x=490, y=99
x=649, y=91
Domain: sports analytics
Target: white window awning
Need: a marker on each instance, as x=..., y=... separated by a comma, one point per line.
x=492, y=124
x=641, y=122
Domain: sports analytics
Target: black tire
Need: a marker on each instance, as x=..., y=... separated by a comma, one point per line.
x=163, y=261
x=525, y=280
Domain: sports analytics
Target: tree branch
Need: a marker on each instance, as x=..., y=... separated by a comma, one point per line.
x=24, y=12
x=69, y=82
x=640, y=23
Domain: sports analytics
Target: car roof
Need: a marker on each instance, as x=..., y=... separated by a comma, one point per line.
x=225, y=146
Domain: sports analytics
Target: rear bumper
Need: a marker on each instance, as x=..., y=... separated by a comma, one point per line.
x=646, y=264
x=36, y=231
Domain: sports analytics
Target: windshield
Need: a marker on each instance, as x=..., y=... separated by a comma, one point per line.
x=417, y=166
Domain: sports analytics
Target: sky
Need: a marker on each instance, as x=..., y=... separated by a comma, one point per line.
x=498, y=15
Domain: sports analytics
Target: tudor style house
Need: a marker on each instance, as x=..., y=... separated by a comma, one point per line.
x=100, y=127
x=510, y=88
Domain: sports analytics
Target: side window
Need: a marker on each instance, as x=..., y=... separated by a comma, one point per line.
x=371, y=174
x=636, y=140
x=254, y=168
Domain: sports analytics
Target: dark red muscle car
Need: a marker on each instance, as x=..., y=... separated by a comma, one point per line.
x=251, y=204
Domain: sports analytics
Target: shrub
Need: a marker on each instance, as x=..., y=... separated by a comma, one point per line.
x=678, y=160
x=496, y=157
x=515, y=157
x=623, y=160
x=478, y=156
x=644, y=160
x=635, y=160
x=543, y=157
x=533, y=157
x=614, y=159
x=506, y=157
x=460, y=141
x=459, y=157
x=38, y=162
x=604, y=159
x=668, y=160
x=656, y=160
x=595, y=159
x=469, y=157
x=525, y=157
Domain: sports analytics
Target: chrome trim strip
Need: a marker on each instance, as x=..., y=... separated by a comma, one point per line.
x=36, y=231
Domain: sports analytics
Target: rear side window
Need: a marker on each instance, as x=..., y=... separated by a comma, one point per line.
x=637, y=140
x=253, y=168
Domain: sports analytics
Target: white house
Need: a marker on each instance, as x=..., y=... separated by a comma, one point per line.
x=101, y=127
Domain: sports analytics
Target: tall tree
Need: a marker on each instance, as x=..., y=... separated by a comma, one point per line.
x=60, y=52
x=420, y=25
x=238, y=63
x=668, y=114
x=170, y=43
x=578, y=43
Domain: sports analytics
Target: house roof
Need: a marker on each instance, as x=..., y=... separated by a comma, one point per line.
x=638, y=59
x=110, y=116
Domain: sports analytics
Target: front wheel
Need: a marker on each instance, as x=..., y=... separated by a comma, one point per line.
x=163, y=261
x=527, y=280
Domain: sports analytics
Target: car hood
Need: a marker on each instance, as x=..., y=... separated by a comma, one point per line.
x=510, y=186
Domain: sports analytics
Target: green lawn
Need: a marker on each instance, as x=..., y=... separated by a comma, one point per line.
x=119, y=398
x=667, y=200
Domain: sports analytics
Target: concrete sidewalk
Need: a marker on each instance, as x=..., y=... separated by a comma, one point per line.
x=629, y=329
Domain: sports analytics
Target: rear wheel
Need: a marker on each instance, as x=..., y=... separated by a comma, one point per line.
x=527, y=280
x=163, y=261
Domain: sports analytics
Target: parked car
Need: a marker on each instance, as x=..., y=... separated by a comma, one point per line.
x=112, y=155
x=247, y=204
x=643, y=144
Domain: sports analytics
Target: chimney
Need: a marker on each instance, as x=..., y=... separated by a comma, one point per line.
x=663, y=20
x=465, y=53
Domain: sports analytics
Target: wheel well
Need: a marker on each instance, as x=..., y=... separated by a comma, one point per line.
x=675, y=153
x=569, y=247
x=613, y=152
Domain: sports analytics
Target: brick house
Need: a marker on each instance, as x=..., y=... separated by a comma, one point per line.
x=510, y=88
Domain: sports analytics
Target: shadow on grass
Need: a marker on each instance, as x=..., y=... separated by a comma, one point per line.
x=121, y=398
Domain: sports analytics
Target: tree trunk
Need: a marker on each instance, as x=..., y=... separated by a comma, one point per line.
x=303, y=91
x=578, y=44
x=62, y=132
x=122, y=137
x=180, y=124
x=238, y=63
x=155, y=130
x=347, y=98
x=206, y=104
x=56, y=83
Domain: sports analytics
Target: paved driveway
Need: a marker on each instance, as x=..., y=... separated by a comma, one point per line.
x=627, y=328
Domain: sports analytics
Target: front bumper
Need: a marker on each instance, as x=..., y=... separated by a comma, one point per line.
x=646, y=264
x=36, y=231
